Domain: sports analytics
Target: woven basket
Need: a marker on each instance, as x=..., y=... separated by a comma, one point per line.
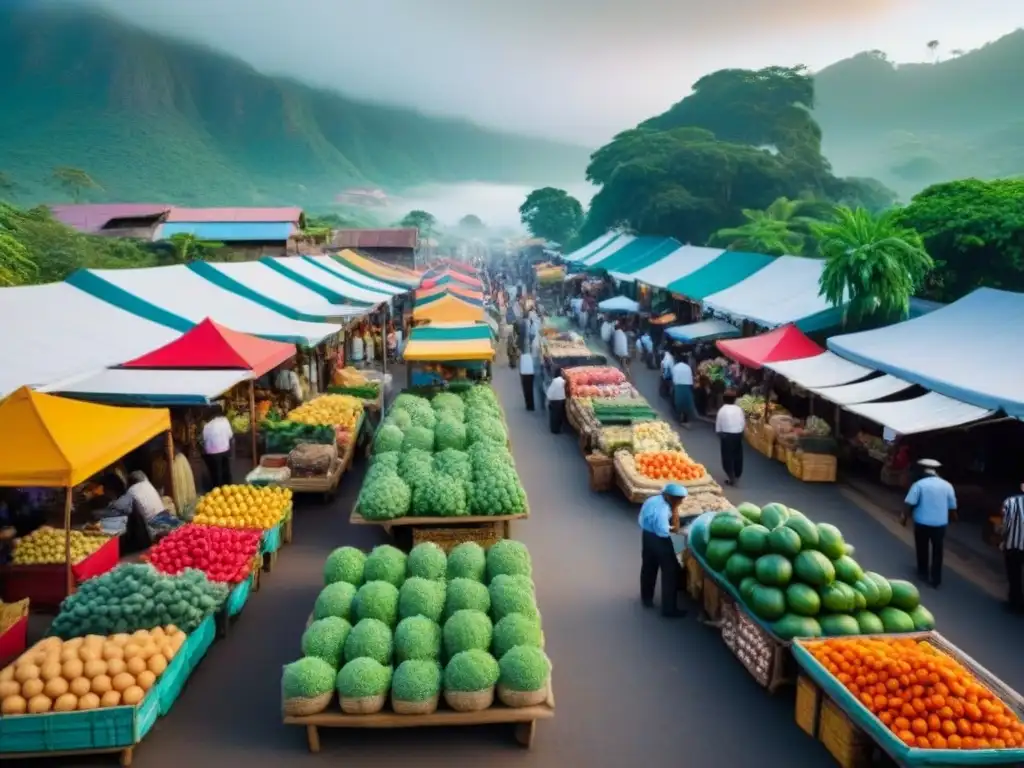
x=300, y=707
x=812, y=467
x=517, y=699
x=364, y=705
x=484, y=534
x=462, y=701
x=427, y=707
x=602, y=472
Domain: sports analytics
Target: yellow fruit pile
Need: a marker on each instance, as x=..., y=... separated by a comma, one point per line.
x=46, y=546
x=243, y=506
x=329, y=411
x=87, y=672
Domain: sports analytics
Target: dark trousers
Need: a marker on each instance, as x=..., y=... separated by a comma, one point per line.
x=527, y=380
x=933, y=536
x=556, y=415
x=219, y=465
x=658, y=554
x=732, y=455
x=1014, y=559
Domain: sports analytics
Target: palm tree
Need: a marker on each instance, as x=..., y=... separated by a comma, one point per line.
x=16, y=266
x=781, y=229
x=872, y=264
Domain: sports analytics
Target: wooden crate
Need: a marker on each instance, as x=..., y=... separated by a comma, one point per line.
x=712, y=595
x=808, y=706
x=845, y=741
x=812, y=467
x=760, y=438
x=601, y=469
x=694, y=577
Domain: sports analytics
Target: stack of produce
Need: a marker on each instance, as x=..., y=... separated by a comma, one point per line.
x=800, y=578
x=89, y=672
x=926, y=698
x=342, y=412
x=669, y=466
x=241, y=421
x=655, y=436
x=137, y=596
x=719, y=370
x=223, y=554
x=622, y=410
x=753, y=406
x=283, y=436
x=46, y=546
x=349, y=381
x=615, y=438
x=592, y=375
x=591, y=391
x=418, y=627
x=243, y=506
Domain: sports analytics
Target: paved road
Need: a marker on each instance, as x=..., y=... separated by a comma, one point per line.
x=631, y=688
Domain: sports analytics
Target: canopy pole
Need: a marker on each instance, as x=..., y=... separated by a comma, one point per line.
x=252, y=422
x=384, y=341
x=169, y=446
x=69, y=576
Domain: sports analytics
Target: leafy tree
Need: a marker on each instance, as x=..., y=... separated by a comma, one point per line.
x=74, y=181
x=471, y=223
x=16, y=266
x=425, y=222
x=862, y=192
x=553, y=214
x=187, y=247
x=975, y=231
x=873, y=261
x=781, y=229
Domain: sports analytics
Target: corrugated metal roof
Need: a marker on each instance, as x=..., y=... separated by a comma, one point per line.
x=229, y=232
x=235, y=215
x=407, y=237
x=92, y=217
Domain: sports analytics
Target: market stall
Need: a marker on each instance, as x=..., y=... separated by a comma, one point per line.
x=446, y=307
x=448, y=351
x=390, y=274
x=52, y=442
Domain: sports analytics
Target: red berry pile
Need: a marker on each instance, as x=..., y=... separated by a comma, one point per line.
x=223, y=554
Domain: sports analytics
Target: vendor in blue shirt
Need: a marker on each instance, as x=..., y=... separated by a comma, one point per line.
x=931, y=501
x=659, y=517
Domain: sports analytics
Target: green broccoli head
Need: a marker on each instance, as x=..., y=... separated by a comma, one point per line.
x=370, y=638
x=450, y=434
x=400, y=419
x=466, y=594
x=377, y=600
x=512, y=594
x=363, y=677
x=389, y=438
x=325, y=639
x=416, y=468
x=465, y=630
x=344, y=564
x=487, y=430
x=471, y=671
x=524, y=668
x=417, y=637
x=416, y=681
x=335, y=600
x=467, y=560
x=516, y=629
x=384, y=496
x=421, y=597
x=454, y=464
x=418, y=439
x=508, y=557
x=428, y=561
x=448, y=404
x=385, y=563
x=307, y=678
x=440, y=496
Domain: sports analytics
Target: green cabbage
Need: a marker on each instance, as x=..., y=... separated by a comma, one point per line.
x=335, y=600
x=496, y=490
x=370, y=638
x=344, y=564
x=416, y=468
x=511, y=594
x=417, y=637
x=384, y=496
x=524, y=668
x=508, y=557
x=466, y=594
x=516, y=629
x=440, y=496
x=385, y=563
x=389, y=438
x=485, y=453
x=449, y=433
x=487, y=430
x=467, y=560
x=307, y=678
x=454, y=464
x=416, y=681
x=421, y=597
x=400, y=419
x=471, y=671
x=466, y=630
x=325, y=639
x=377, y=600
x=363, y=677
x=428, y=561
x=418, y=439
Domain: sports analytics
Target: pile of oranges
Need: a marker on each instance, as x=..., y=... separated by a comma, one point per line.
x=669, y=465
x=928, y=699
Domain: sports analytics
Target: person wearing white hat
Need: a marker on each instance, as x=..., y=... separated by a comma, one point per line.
x=931, y=502
x=659, y=518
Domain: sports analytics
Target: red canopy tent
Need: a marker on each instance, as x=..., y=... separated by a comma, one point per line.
x=448, y=275
x=785, y=343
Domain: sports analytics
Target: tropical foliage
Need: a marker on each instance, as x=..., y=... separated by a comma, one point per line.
x=553, y=214
x=783, y=228
x=425, y=222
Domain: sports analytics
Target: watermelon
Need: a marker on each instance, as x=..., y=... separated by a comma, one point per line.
x=802, y=600
x=718, y=552
x=796, y=513
x=738, y=567
x=750, y=511
x=848, y=570
x=747, y=587
x=727, y=525
x=836, y=599
x=882, y=584
x=850, y=549
x=814, y=568
x=830, y=541
x=895, y=620
x=837, y=625
x=791, y=625
x=870, y=590
x=753, y=540
x=904, y=595
x=806, y=530
x=922, y=618
x=697, y=536
x=784, y=541
x=869, y=623
x=769, y=603
x=773, y=515
x=860, y=603
x=773, y=570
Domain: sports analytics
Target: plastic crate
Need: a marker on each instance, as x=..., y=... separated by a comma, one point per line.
x=238, y=597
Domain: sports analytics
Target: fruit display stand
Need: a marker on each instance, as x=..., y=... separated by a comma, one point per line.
x=826, y=710
x=760, y=437
x=637, y=488
x=46, y=585
x=446, y=531
x=274, y=538
x=108, y=730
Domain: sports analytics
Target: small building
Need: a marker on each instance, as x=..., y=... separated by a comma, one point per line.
x=248, y=233
x=135, y=220
x=392, y=246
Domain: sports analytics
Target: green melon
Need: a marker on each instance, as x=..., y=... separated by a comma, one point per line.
x=860, y=603
x=848, y=570
x=922, y=618
x=814, y=568
x=738, y=567
x=747, y=588
x=807, y=530
x=792, y=625
x=753, y=540
x=773, y=515
x=773, y=570
x=727, y=525
x=803, y=600
x=904, y=595
x=894, y=620
x=870, y=590
x=769, y=603
x=830, y=541
x=882, y=585
x=869, y=623
x=750, y=511
x=839, y=625
x=837, y=598
x=784, y=541
x=718, y=552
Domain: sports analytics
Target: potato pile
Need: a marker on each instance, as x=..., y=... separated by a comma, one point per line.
x=46, y=546
x=87, y=672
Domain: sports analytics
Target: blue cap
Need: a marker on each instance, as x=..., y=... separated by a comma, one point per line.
x=675, y=490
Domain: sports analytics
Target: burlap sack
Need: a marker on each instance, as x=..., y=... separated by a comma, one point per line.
x=463, y=701
x=366, y=705
x=427, y=707
x=511, y=698
x=300, y=707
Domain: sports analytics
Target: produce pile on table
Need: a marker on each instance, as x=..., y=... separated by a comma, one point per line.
x=801, y=579
x=223, y=554
x=446, y=457
x=90, y=672
x=719, y=369
x=349, y=381
x=669, y=466
x=341, y=412
x=642, y=437
x=283, y=436
x=591, y=391
x=421, y=627
x=622, y=410
x=593, y=375
x=753, y=407
x=243, y=506
x=924, y=696
x=46, y=546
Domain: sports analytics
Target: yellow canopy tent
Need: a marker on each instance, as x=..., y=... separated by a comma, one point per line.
x=445, y=342
x=52, y=442
x=448, y=309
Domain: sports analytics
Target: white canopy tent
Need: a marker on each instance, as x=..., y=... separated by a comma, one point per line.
x=922, y=414
x=336, y=286
x=350, y=275
x=594, y=245
x=677, y=265
x=863, y=391
x=138, y=386
x=618, y=304
x=824, y=370
x=609, y=250
x=705, y=329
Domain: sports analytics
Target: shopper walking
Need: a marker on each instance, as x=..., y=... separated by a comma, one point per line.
x=526, y=373
x=682, y=393
x=217, y=439
x=620, y=348
x=659, y=518
x=556, y=402
x=729, y=424
x=931, y=502
x=1013, y=549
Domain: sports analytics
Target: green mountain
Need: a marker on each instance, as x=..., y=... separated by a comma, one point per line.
x=153, y=119
x=916, y=124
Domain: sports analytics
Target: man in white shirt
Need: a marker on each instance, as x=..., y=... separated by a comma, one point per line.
x=217, y=439
x=538, y=367
x=526, y=372
x=287, y=380
x=682, y=393
x=620, y=348
x=607, y=329
x=556, y=402
x=729, y=425
x=357, y=349
x=141, y=495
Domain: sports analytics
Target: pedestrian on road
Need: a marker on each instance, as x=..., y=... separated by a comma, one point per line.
x=668, y=362
x=556, y=402
x=729, y=425
x=659, y=518
x=1013, y=549
x=526, y=372
x=538, y=368
x=217, y=439
x=682, y=393
x=620, y=348
x=931, y=501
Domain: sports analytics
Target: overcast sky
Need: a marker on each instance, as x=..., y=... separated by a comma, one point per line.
x=573, y=69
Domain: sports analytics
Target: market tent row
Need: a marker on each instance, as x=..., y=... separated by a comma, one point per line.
x=427, y=295
x=606, y=251
x=592, y=247
x=865, y=391
x=785, y=343
x=824, y=370
x=178, y=298
x=926, y=413
x=350, y=275
x=443, y=342
x=148, y=387
x=705, y=330
x=448, y=309
x=332, y=287
x=639, y=253
x=394, y=275
x=722, y=272
x=786, y=290
x=963, y=351
x=449, y=276
x=683, y=261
